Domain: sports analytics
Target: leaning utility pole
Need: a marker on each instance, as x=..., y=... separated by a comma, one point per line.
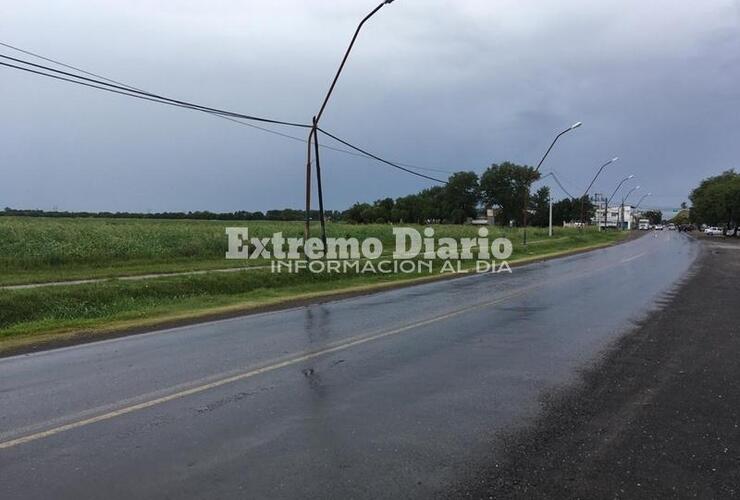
x=307, y=229
x=318, y=183
x=314, y=135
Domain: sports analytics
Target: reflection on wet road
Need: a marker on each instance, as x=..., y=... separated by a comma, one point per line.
x=393, y=394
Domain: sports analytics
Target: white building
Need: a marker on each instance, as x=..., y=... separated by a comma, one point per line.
x=616, y=217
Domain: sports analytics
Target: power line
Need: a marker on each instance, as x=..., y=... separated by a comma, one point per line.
x=64, y=65
x=387, y=162
x=130, y=91
x=101, y=77
x=56, y=77
x=555, y=177
x=561, y=185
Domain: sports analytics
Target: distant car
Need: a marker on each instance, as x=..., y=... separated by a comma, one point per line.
x=658, y=227
x=671, y=227
x=713, y=231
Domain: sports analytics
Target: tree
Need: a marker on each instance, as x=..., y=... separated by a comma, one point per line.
x=355, y=213
x=563, y=211
x=569, y=210
x=461, y=197
x=654, y=216
x=681, y=218
x=430, y=205
x=505, y=185
x=717, y=201
x=383, y=209
x=539, y=206
x=399, y=215
x=408, y=209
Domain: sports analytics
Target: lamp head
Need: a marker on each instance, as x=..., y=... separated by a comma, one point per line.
x=576, y=125
x=630, y=177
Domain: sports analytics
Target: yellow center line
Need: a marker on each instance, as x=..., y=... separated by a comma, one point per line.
x=251, y=373
x=278, y=364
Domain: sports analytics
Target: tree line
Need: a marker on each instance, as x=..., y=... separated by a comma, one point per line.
x=501, y=186
x=466, y=195
x=287, y=214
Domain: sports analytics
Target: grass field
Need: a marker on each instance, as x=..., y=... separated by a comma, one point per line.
x=38, y=250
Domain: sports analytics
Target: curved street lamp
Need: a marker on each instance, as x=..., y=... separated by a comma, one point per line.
x=612, y=196
x=526, y=193
x=624, y=200
x=313, y=134
x=641, y=199
x=572, y=127
x=592, y=183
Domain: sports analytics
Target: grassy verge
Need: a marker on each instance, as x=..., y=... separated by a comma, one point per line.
x=45, y=314
x=42, y=250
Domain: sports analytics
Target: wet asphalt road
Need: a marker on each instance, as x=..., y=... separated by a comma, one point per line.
x=391, y=395
x=659, y=417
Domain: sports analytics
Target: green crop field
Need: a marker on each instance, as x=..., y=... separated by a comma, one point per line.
x=42, y=250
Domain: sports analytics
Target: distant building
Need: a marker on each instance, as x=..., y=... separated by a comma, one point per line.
x=487, y=217
x=616, y=217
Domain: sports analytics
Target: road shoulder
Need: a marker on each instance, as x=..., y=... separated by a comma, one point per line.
x=659, y=416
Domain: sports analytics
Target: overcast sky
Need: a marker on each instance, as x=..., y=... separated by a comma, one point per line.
x=443, y=84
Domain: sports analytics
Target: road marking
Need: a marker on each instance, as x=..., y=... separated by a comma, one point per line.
x=624, y=261
x=354, y=342
x=275, y=365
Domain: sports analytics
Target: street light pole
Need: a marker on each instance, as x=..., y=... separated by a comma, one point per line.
x=585, y=193
x=639, y=202
x=612, y=196
x=529, y=182
x=641, y=199
x=629, y=193
x=627, y=196
x=550, y=201
x=313, y=135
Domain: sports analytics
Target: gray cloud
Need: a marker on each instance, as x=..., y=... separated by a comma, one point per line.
x=442, y=83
